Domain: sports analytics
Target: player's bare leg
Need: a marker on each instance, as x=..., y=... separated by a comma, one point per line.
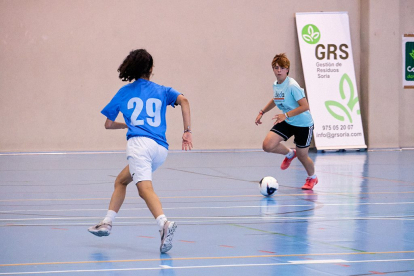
x=272, y=144
x=146, y=192
x=118, y=196
x=167, y=228
x=303, y=156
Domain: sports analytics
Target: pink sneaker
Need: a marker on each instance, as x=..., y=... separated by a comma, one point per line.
x=310, y=183
x=287, y=161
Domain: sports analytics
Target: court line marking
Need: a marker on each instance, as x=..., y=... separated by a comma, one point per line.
x=82, y=199
x=193, y=222
x=208, y=220
x=214, y=207
x=319, y=261
x=253, y=217
x=222, y=196
x=213, y=258
x=299, y=169
x=123, y=152
x=299, y=238
x=58, y=153
x=201, y=266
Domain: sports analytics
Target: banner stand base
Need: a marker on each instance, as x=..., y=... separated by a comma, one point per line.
x=338, y=149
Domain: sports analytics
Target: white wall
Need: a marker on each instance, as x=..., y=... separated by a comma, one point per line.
x=59, y=62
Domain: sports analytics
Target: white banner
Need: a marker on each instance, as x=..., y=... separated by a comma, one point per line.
x=326, y=51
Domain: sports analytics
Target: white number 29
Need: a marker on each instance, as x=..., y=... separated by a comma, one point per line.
x=152, y=107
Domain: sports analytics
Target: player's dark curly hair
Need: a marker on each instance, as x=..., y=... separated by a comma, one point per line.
x=136, y=65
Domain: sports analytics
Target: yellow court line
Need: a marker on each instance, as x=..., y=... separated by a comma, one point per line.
x=224, y=196
x=210, y=258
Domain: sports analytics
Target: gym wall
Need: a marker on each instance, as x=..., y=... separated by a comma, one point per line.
x=60, y=58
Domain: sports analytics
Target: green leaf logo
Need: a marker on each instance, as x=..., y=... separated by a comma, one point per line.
x=412, y=54
x=351, y=101
x=311, y=34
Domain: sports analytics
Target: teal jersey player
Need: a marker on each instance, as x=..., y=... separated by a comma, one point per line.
x=286, y=96
x=295, y=120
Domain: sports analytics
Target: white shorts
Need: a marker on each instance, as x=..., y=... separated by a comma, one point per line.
x=144, y=156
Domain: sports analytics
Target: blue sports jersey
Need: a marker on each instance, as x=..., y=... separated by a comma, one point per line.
x=286, y=97
x=143, y=104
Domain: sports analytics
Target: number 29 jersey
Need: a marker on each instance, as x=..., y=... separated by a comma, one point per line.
x=143, y=104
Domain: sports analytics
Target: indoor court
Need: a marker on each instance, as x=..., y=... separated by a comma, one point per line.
x=356, y=221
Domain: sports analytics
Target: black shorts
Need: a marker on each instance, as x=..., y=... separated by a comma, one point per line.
x=303, y=135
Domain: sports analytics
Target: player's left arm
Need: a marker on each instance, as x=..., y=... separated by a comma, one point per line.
x=303, y=106
x=185, y=110
x=109, y=124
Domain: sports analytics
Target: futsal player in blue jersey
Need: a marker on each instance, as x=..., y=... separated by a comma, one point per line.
x=143, y=104
x=295, y=120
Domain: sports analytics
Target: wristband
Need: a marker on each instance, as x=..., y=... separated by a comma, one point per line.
x=261, y=112
x=286, y=115
x=187, y=130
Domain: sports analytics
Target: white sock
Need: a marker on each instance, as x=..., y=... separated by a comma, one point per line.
x=312, y=176
x=110, y=217
x=161, y=219
x=290, y=154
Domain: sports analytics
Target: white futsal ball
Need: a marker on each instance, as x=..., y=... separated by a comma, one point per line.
x=268, y=186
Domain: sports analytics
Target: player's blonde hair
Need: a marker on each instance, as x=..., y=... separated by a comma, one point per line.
x=282, y=60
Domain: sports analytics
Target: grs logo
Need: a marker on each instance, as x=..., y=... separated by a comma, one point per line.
x=351, y=101
x=311, y=34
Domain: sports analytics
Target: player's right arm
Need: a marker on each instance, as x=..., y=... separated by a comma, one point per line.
x=270, y=105
x=109, y=124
